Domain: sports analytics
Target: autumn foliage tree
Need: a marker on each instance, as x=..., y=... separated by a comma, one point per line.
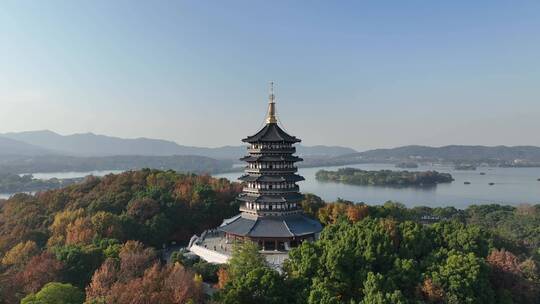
x=80, y=231
x=135, y=259
x=223, y=277
x=431, y=292
x=40, y=270
x=20, y=254
x=159, y=284
x=139, y=278
x=357, y=212
x=508, y=276
x=333, y=212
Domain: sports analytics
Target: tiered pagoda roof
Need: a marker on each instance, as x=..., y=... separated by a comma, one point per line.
x=296, y=225
x=271, y=133
x=271, y=178
x=270, y=198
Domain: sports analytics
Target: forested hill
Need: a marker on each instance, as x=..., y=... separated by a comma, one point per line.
x=65, y=235
x=447, y=153
x=98, y=242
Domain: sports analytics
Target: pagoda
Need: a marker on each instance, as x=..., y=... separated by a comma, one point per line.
x=270, y=212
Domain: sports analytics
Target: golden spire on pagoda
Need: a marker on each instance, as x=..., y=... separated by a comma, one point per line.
x=271, y=118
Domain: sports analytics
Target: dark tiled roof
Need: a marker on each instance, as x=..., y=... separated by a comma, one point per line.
x=271, y=178
x=271, y=133
x=302, y=225
x=271, y=226
x=283, y=198
x=239, y=226
x=271, y=158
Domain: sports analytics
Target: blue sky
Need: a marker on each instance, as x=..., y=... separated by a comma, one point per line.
x=355, y=73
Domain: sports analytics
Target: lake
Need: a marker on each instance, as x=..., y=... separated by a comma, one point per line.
x=512, y=186
x=74, y=174
x=63, y=175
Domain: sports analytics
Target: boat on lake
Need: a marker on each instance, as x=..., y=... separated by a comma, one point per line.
x=465, y=167
x=407, y=165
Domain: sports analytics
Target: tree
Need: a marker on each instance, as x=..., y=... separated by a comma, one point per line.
x=107, y=225
x=20, y=254
x=63, y=219
x=59, y=226
x=258, y=285
x=464, y=238
x=81, y=231
x=158, y=284
x=386, y=261
x=333, y=212
x=56, y=293
x=41, y=269
x=135, y=259
x=251, y=280
x=223, y=277
x=357, y=212
x=507, y=275
x=245, y=257
x=311, y=204
x=102, y=281
x=80, y=262
x=431, y=292
x=375, y=291
x=143, y=209
x=464, y=279
x=529, y=269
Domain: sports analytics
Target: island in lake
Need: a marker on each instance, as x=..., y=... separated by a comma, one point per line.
x=11, y=183
x=384, y=177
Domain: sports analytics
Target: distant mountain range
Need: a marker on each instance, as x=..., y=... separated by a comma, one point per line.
x=62, y=163
x=92, y=145
x=46, y=151
x=10, y=146
x=454, y=153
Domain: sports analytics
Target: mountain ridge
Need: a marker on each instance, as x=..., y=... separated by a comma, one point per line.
x=448, y=153
x=90, y=144
x=10, y=146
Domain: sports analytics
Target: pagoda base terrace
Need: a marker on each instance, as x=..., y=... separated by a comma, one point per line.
x=215, y=246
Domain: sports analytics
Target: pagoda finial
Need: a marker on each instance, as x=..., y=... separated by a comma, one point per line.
x=271, y=106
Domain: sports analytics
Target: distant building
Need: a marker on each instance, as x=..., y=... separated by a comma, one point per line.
x=270, y=212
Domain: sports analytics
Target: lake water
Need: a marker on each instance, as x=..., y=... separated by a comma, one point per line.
x=512, y=186
x=74, y=174
x=63, y=175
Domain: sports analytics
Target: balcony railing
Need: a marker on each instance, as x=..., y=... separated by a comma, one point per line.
x=272, y=150
x=267, y=211
x=270, y=170
x=272, y=191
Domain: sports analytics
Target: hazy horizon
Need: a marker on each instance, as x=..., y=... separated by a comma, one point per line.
x=360, y=75
x=239, y=143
